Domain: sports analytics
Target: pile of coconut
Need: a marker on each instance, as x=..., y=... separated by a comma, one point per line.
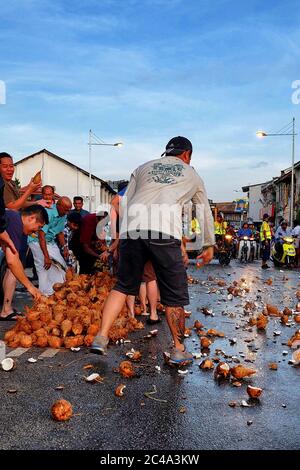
x=71, y=317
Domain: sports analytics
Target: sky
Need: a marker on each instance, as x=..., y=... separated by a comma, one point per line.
x=144, y=71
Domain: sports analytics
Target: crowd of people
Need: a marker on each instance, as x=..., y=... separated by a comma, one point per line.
x=264, y=237
x=151, y=265
x=147, y=255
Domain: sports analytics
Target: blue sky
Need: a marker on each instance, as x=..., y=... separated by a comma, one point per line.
x=143, y=71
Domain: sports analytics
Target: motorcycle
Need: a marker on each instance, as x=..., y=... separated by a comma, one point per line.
x=224, y=250
x=284, y=254
x=247, y=251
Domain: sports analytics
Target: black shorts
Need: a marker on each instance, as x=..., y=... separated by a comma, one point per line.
x=166, y=257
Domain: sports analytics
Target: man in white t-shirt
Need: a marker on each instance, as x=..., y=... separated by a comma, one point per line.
x=151, y=228
x=296, y=234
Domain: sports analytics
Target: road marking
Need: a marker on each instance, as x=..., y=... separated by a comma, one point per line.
x=50, y=352
x=17, y=352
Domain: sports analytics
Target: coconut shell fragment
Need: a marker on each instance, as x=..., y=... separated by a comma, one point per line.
x=254, y=392
x=222, y=370
x=205, y=342
x=126, y=369
x=273, y=310
x=240, y=371
x=119, y=391
x=207, y=364
x=261, y=321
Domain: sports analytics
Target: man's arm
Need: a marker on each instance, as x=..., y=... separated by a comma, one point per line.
x=62, y=244
x=200, y=197
x=89, y=250
x=43, y=245
x=15, y=265
x=22, y=201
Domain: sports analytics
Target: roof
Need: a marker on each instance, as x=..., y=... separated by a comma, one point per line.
x=225, y=206
x=287, y=173
x=245, y=189
x=53, y=155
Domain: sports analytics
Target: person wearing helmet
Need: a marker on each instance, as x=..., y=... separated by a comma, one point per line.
x=220, y=226
x=151, y=228
x=265, y=238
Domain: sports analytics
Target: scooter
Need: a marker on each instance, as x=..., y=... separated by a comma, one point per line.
x=285, y=254
x=244, y=249
x=224, y=250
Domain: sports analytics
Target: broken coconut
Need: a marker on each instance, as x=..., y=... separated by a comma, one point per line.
x=126, y=369
x=61, y=410
x=8, y=364
x=207, y=364
x=205, y=342
x=254, y=392
x=119, y=390
x=261, y=322
x=240, y=371
x=222, y=370
x=93, y=378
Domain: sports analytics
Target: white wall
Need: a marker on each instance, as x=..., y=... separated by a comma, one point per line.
x=255, y=203
x=67, y=180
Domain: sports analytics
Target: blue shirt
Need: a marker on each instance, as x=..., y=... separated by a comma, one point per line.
x=15, y=227
x=245, y=232
x=56, y=225
x=82, y=212
x=280, y=233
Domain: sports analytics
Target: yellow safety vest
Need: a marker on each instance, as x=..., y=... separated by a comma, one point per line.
x=220, y=228
x=195, y=227
x=265, y=227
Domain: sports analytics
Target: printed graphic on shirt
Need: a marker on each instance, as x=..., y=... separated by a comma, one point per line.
x=166, y=174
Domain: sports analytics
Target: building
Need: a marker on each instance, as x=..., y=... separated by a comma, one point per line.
x=283, y=193
x=67, y=178
x=255, y=201
x=268, y=198
x=230, y=212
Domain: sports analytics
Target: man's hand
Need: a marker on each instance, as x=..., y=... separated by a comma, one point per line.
x=104, y=256
x=36, y=293
x=205, y=257
x=47, y=262
x=7, y=242
x=33, y=186
x=66, y=253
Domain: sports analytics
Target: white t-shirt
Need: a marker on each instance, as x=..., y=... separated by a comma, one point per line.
x=155, y=197
x=296, y=231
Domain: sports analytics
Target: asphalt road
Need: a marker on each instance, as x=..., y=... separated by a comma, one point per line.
x=194, y=412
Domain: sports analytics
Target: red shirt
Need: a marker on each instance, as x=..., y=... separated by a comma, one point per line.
x=88, y=229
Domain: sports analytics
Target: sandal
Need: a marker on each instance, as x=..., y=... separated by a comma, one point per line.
x=12, y=316
x=153, y=322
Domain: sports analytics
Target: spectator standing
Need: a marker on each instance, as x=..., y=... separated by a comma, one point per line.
x=11, y=194
x=78, y=206
x=296, y=235
x=265, y=238
x=48, y=199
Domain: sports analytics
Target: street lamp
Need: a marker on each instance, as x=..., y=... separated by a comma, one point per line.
x=97, y=141
x=289, y=129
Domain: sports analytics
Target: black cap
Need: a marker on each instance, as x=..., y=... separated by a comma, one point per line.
x=177, y=145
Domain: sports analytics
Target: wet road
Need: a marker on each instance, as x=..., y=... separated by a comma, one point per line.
x=195, y=411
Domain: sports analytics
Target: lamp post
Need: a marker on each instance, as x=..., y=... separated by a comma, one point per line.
x=97, y=141
x=289, y=129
